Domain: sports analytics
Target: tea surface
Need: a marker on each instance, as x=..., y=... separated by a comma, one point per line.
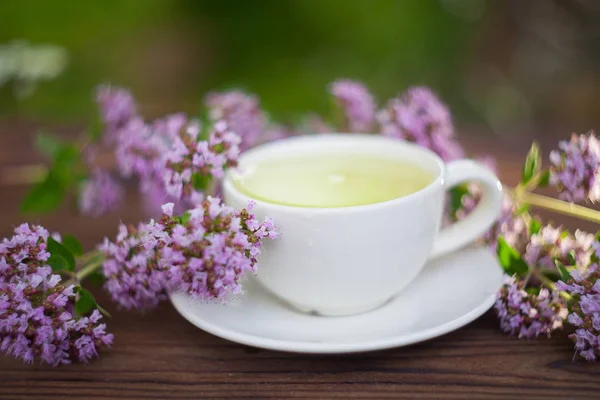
x=330, y=180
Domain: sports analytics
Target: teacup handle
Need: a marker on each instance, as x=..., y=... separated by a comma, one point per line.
x=484, y=215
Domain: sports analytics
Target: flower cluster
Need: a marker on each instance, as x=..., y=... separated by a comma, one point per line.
x=190, y=158
x=138, y=149
x=584, y=288
x=528, y=315
x=37, y=319
x=205, y=253
x=418, y=116
x=511, y=226
x=169, y=156
x=551, y=245
x=117, y=108
x=134, y=278
x=100, y=194
x=357, y=104
x=241, y=112
x=575, y=169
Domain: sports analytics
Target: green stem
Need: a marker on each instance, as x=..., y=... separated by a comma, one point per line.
x=549, y=283
x=89, y=268
x=89, y=256
x=565, y=295
x=544, y=279
x=90, y=262
x=559, y=206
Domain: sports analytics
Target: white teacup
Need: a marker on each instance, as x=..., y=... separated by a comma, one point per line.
x=347, y=260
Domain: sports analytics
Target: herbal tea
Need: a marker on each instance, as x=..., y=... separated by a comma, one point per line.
x=330, y=180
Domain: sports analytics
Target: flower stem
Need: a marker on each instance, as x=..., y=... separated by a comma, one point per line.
x=94, y=261
x=89, y=256
x=549, y=283
x=544, y=279
x=559, y=206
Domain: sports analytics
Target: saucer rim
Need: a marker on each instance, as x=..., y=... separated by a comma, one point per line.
x=178, y=299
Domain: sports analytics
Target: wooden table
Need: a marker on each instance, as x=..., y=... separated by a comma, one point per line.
x=160, y=355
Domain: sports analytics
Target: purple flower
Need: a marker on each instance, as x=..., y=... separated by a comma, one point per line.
x=190, y=158
x=510, y=226
x=357, y=104
x=169, y=159
x=315, y=124
x=155, y=195
x=87, y=335
x=205, y=253
x=528, y=315
x=134, y=278
x=117, y=107
x=36, y=307
x=575, y=166
x=418, y=116
x=241, y=112
x=139, y=150
x=584, y=310
x=470, y=200
x=551, y=245
x=100, y=194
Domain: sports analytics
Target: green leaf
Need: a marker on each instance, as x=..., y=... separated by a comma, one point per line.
x=58, y=263
x=571, y=257
x=63, y=168
x=44, y=197
x=47, y=144
x=595, y=258
x=456, y=196
x=523, y=209
x=552, y=275
x=85, y=301
x=96, y=278
x=544, y=179
x=533, y=290
x=565, y=276
x=184, y=218
x=56, y=248
x=510, y=259
x=207, y=125
x=535, y=225
x=533, y=164
x=201, y=182
x=48, y=195
x=72, y=244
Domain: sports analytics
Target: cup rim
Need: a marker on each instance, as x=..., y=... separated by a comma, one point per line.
x=437, y=183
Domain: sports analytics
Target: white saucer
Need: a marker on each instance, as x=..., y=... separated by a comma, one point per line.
x=448, y=294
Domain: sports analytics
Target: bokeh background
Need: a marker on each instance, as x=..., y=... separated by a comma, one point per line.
x=509, y=69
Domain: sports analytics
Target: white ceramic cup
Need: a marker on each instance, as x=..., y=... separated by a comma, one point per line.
x=347, y=260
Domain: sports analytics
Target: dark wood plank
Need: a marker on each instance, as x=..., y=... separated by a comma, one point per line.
x=160, y=355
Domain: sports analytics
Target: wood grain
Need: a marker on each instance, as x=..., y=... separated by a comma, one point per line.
x=160, y=355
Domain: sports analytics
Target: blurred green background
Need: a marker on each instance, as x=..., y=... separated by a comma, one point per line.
x=506, y=67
